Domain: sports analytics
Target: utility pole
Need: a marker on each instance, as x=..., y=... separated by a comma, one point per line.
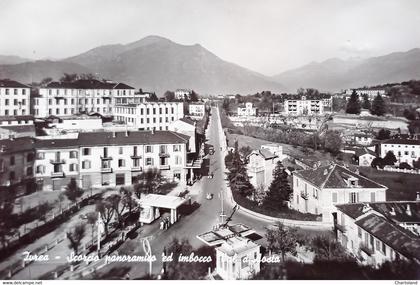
x=101, y=228
x=222, y=213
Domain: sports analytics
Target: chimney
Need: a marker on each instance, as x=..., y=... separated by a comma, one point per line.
x=408, y=211
x=417, y=196
x=113, y=134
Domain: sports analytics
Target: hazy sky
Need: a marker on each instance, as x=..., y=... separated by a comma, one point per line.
x=268, y=36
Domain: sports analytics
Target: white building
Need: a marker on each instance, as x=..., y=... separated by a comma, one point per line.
x=316, y=191
x=405, y=150
x=77, y=123
x=97, y=159
x=16, y=126
x=261, y=164
x=183, y=94
x=371, y=93
x=14, y=98
x=149, y=115
x=247, y=110
x=365, y=156
x=197, y=110
x=379, y=232
x=89, y=96
x=303, y=105
x=237, y=257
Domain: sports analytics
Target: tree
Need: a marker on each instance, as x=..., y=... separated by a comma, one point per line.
x=378, y=106
x=75, y=237
x=106, y=210
x=68, y=77
x=169, y=96
x=153, y=97
x=279, y=191
x=366, y=102
x=353, y=104
x=127, y=199
x=177, y=270
x=45, y=81
x=245, y=151
x=237, y=176
x=87, y=76
x=115, y=201
x=383, y=134
x=91, y=219
x=326, y=248
x=282, y=240
x=7, y=223
x=73, y=192
x=333, y=142
x=416, y=164
x=226, y=105
x=389, y=158
x=194, y=96
x=377, y=162
x=149, y=182
x=410, y=114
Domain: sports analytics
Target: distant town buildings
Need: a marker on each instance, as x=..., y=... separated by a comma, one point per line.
x=247, y=110
x=197, y=110
x=149, y=115
x=405, y=150
x=14, y=98
x=98, y=159
x=365, y=156
x=316, y=191
x=371, y=93
x=261, y=164
x=183, y=94
x=306, y=105
x=382, y=231
x=89, y=96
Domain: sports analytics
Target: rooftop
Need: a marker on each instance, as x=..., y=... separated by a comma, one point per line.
x=17, y=145
x=88, y=84
x=16, y=118
x=237, y=245
x=402, y=141
x=90, y=139
x=6, y=83
x=335, y=176
x=161, y=201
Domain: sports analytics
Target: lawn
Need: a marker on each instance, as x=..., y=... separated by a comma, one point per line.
x=401, y=186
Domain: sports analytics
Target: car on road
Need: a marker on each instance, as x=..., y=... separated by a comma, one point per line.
x=209, y=196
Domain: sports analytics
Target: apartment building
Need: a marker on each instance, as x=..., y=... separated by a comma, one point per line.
x=379, y=232
x=17, y=165
x=261, y=164
x=149, y=115
x=89, y=96
x=306, y=105
x=197, y=110
x=316, y=191
x=14, y=98
x=98, y=159
x=405, y=150
x=247, y=110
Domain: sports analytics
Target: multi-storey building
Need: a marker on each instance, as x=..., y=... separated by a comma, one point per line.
x=379, y=232
x=405, y=150
x=247, y=110
x=316, y=191
x=149, y=115
x=97, y=159
x=371, y=93
x=183, y=94
x=261, y=164
x=89, y=96
x=14, y=98
x=16, y=165
x=306, y=105
x=197, y=110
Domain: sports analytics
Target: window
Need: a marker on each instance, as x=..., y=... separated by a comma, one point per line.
x=12, y=160
x=30, y=157
x=6, y=102
x=149, y=149
x=178, y=160
x=244, y=262
x=120, y=150
x=383, y=249
x=29, y=171
x=15, y=92
x=334, y=197
x=354, y=197
x=86, y=164
x=149, y=161
x=372, y=196
x=86, y=151
x=359, y=232
x=121, y=162
x=73, y=167
x=162, y=149
x=40, y=169
x=73, y=154
x=177, y=147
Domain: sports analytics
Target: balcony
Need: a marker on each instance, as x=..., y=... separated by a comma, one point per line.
x=163, y=154
x=106, y=170
x=164, y=167
x=135, y=156
x=256, y=168
x=57, y=174
x=340, y=228
x=304, y=195
x=106, y=157
x=57, y=161
x=366, y=249
x=136, y=168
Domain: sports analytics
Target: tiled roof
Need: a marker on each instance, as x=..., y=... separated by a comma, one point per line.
x=17, y=144
x=6, y=83
x=386, y=208
x=334, y=176
x=401, y=141
x=16, y=118
x=188, y=120
x=394, y=236
x=107, y=138
x=363, y=151
x=88, y=84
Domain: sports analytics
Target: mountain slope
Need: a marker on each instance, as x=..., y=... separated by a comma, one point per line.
x=158, y=64
x=336, y=74
x=12, y=59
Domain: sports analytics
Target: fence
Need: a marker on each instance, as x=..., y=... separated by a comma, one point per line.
x=401, y=170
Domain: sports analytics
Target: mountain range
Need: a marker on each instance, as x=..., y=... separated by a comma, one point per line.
x=158, y=64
